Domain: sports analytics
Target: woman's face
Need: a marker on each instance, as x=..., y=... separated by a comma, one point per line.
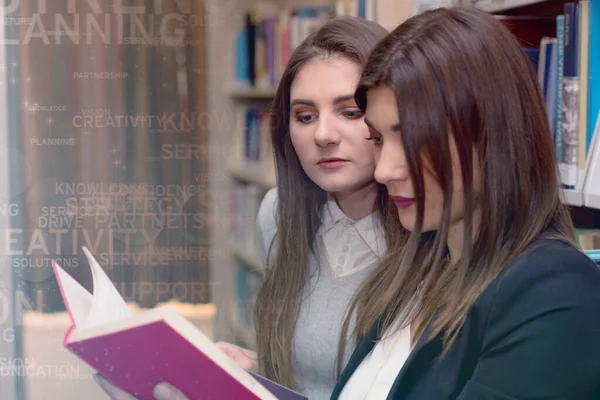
x=393, y=171
x=327, y=127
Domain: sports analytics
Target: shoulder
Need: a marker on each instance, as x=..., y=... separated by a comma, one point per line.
x=551, y=283
x=268, y=209
x=549, y=264
x=267, y=214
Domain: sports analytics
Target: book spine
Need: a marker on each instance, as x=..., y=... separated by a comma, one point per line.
x=285, y=40
x=270, y=24
x=560, y=46
x=247, y=135
x=593, y=71
x=583, y=51
x=251, y=47
x=551, y=83
x=260, y=55
x=362, y=8
x=571, y=99
x=241, y=58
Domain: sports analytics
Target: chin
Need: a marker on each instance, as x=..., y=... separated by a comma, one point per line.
x=407, y=220
x=333, y=187
x=333, y=183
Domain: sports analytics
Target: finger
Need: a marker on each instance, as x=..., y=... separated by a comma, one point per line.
x=111, y=390
x=165, y=391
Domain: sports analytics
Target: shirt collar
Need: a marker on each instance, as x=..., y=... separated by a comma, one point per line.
x=369, y=227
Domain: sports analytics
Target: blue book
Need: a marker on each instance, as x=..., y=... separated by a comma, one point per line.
x=548, y=65
x=534, y=56
x=560, y=48
x=551, y=82
x=362, y=8
x=593, y=70
x=242, y=73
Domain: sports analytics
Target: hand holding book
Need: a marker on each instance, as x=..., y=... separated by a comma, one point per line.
x=139, y=353
x=162, y=391
x=243, y=357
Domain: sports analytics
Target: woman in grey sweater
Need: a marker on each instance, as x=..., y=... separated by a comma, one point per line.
x=324, y=227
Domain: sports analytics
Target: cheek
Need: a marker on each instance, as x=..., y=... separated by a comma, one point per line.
x=300, y=143
x=362, y=149
x=434, y=204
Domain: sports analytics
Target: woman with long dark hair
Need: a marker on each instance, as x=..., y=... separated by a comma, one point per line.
x=324, y=226
x=490, y=298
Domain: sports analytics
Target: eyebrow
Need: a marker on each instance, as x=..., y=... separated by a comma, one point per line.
x=395, y=127
x=337, y=100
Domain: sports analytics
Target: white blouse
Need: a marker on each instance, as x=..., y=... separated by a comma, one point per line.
x=375, y=375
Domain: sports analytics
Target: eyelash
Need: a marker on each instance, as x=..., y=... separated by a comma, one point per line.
x=358, y=114
x=301, y=119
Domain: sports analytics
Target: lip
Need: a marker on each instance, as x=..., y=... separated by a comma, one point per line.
x=332, y=162
x=402, y=202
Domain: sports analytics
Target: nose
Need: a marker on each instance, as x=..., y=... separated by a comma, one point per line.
x=326, y=132
x=391, y=166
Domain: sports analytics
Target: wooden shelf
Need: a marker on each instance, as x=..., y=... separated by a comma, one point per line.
x=252, y=174
x=251, y=260
x=252, y=94
x=503, y=5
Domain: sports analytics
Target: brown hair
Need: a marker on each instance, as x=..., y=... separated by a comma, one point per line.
x=459, y=72
x=300, y=201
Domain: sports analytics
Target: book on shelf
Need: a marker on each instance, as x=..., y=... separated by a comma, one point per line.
x=263, y=45
x=565, y=52
x=136, y=351
x=252, y=150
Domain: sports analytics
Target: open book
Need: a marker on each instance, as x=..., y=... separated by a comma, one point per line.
x=136, y=351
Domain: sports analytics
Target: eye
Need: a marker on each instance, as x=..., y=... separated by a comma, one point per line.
x=305, y=118
x=353, y=113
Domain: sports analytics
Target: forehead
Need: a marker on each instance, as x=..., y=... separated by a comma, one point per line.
x=325, y=78
x=382, y=108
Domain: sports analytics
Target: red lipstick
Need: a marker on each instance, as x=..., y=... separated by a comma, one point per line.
x=402, y=202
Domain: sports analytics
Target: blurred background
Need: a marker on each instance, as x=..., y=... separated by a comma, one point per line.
x=139, y=129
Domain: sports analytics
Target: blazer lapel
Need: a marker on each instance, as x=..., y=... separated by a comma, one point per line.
x=364, y=346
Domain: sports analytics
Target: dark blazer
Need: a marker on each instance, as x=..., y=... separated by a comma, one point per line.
x=534, y=333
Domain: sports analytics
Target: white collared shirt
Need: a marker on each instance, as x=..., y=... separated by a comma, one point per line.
x=350, y=246
x=375, y=376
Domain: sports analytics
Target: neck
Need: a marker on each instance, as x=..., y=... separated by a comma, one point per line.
x=357, y=204
x=456, y=237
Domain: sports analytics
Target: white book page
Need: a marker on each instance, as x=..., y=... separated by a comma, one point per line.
x=107, y=304
x=77, y=299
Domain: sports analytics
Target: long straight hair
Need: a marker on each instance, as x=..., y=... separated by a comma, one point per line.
x=459, y=73
x=300, y=201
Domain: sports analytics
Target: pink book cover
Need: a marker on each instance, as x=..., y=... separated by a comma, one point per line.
x=147, y=349
x=138, y=359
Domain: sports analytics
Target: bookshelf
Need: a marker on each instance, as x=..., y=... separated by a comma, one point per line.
x=586, y=191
